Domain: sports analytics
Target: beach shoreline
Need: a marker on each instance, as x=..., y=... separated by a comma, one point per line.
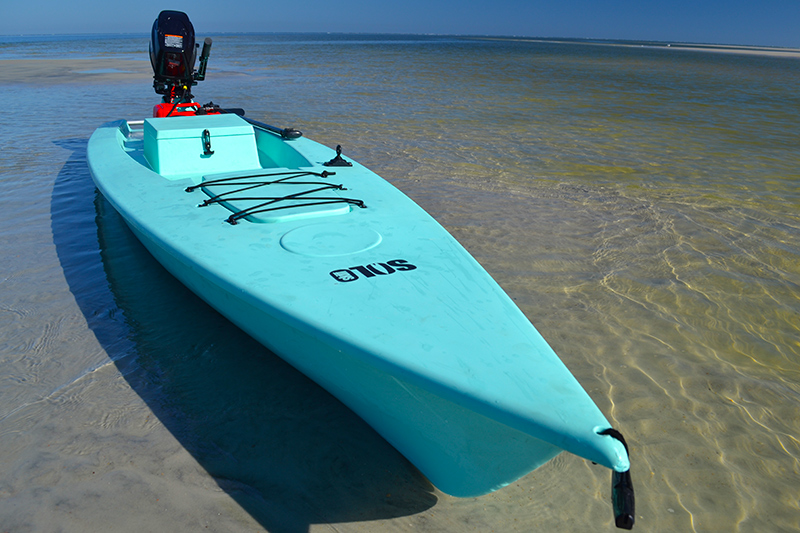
x=766, y=51
x=747, y=50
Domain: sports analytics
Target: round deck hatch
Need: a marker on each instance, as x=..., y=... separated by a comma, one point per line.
x=330, y=240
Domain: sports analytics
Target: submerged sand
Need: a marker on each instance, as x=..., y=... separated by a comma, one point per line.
x=55, y=71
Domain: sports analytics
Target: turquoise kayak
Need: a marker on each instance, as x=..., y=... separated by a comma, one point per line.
x=352, y=283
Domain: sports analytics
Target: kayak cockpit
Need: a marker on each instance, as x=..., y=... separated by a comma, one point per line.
x=254, y=173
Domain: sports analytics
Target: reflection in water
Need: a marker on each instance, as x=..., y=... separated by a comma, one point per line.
x=289, y=453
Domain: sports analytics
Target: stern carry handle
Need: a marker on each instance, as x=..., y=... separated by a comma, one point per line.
x=622, y=497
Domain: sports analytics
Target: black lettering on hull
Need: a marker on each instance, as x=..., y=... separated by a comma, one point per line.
x=354, y=273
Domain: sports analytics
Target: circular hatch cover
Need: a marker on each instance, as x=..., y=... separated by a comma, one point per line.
x=330, y=240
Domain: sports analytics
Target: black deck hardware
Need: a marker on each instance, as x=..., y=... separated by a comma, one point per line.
x=285, y=133
x=207, y=143
x=338, y=161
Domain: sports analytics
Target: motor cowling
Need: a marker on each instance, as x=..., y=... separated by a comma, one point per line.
x=172, y=53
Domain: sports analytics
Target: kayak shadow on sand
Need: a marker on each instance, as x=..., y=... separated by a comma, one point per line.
x=285, y=450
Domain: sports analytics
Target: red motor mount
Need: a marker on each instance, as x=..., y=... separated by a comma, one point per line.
x=175, y=110
x=186, y=109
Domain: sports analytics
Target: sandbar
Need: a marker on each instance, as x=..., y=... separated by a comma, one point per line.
x=58, y=71
x=721, y=48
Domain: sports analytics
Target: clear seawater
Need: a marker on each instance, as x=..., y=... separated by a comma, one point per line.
x=639, y=203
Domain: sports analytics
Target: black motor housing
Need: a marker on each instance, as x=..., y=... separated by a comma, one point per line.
x=172, y=52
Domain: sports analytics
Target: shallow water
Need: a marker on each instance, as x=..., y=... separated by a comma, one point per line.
x=639, y=204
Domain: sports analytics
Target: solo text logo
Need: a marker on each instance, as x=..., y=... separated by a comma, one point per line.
x=371, y=270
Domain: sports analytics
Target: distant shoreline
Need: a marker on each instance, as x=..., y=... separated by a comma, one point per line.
x=751, y=50
x=768, y=51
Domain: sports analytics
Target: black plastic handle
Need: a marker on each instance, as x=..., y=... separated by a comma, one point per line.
x=622, y=497
x=207, y=143
x=286, y=133
x=200, y=75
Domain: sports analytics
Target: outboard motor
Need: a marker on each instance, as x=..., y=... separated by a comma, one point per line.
x=172, y=54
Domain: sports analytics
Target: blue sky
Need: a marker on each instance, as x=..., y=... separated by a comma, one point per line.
x=754, y=22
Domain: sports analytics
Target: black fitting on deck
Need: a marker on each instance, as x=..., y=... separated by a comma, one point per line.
x=338, y=161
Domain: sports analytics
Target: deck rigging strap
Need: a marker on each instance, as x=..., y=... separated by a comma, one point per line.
x=299, y=199
x=322, y=201
x=236, y=179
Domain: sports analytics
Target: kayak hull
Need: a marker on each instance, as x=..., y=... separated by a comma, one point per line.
x=356, y=287
x=463, y=454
